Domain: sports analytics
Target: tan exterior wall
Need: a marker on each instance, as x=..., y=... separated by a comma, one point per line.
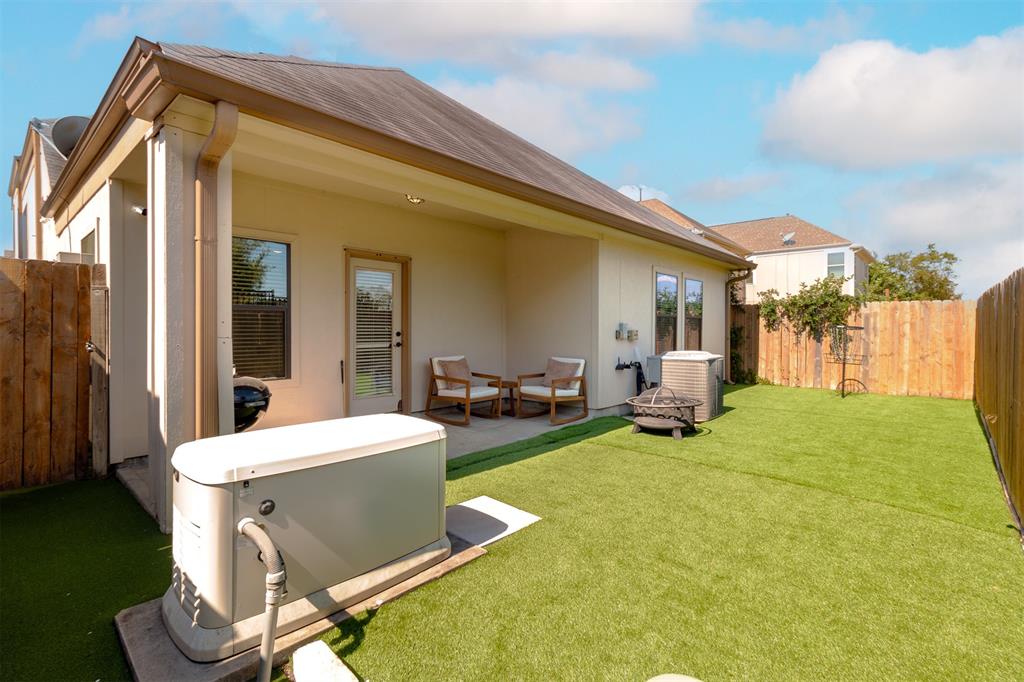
x=552, y=300
x=626, y=291
x=457, y=287
x=121, y=246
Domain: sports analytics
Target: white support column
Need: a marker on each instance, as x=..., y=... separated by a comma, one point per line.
x=171, y=156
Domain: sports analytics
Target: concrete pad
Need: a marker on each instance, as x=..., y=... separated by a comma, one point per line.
x=315, y=662
x=152, y=656
x=483, y=520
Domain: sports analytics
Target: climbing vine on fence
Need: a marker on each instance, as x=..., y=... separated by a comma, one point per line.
x=811, y=311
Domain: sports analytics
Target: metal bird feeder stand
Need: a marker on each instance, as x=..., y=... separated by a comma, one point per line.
x=841, y=338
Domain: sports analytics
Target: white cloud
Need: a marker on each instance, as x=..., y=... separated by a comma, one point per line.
x=814, y=34
x=189, y=20
x=478, y=31
x=563, y=121
x=721, y=189
x=870, y=104
x=638, y=192
x=588, y=70
x=976, y=211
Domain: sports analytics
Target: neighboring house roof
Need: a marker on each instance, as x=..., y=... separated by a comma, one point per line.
x=54, y=160
x=765, y=235
x=382, y=110
x=697, y=227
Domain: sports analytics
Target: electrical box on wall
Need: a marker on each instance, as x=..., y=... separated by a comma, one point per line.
x=624, y=333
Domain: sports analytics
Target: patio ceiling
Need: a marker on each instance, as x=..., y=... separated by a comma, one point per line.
x=268, y=150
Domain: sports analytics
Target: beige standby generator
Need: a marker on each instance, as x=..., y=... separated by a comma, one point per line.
x=354, y=506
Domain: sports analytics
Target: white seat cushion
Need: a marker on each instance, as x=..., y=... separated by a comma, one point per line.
x=474, y=392
x=545, y=392
x=435, y=364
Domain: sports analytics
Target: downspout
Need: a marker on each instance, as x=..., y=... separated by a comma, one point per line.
x=743, y=274
x=220, y=139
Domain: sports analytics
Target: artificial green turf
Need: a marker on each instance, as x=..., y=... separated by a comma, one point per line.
x=71, y=557
x=798, y=536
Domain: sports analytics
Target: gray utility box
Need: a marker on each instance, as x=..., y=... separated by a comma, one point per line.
x=694, y=374
x=358, y=506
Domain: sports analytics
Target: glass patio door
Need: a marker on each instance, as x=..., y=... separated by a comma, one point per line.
x=374, y=376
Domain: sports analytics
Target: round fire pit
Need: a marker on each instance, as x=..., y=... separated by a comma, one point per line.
x=660, y=409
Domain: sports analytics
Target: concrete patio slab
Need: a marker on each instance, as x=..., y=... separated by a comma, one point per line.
x=153, y=657
x=483, y=520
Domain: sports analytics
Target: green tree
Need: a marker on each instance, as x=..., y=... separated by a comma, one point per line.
x=248, y=268
x=906, y=276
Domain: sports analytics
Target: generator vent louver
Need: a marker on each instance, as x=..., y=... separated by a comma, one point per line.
x=187, y=593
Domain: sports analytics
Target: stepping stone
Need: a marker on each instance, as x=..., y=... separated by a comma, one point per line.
x=483, y=520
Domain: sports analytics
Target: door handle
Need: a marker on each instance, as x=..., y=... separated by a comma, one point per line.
x=398, y=344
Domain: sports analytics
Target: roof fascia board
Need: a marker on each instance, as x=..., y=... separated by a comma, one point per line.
x=132, y=132
x=23, y=161
x=804, y=249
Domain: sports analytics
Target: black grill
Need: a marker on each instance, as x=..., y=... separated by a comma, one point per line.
x=252, y=399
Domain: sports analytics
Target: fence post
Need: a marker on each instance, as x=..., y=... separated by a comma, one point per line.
x=100, y=372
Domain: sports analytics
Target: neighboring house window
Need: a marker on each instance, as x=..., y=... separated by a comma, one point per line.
x=88, y=247
x=261, y=308
x=666, y=312
x=694, y=321
x=837, y=264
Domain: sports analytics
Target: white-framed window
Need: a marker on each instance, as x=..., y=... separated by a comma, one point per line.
x=693, y=323
x=666, y=312
x=261, y=307
x=87, y=246
x=836, y=264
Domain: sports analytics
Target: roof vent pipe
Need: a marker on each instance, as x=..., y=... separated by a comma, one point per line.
x=217, y=144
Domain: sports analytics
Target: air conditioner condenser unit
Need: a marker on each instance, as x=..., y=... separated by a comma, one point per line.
x=353, y=505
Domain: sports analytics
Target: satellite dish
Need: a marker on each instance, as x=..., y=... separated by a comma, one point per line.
x=788, y=237
x=67, y=131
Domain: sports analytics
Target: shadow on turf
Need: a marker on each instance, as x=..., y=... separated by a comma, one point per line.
x=485, y=460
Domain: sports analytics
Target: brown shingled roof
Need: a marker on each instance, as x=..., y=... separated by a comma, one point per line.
x=391, y=102
x=663, y=209
x=766, y=234
x=55, y=161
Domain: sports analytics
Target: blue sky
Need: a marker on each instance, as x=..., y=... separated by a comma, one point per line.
x=893, y=124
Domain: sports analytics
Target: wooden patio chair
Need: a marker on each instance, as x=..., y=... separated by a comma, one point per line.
x=555, y=389
x=459, y=390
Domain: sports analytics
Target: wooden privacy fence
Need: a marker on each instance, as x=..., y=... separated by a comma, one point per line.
x=45, y=321
x=999, y=380
x=908, y=348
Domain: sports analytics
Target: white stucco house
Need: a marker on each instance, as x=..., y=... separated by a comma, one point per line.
x=790, y=251
x=243, y=202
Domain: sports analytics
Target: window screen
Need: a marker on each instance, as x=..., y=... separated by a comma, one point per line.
x=837, y=264
x=694, y=321
x=666, y=312
x=261, y=308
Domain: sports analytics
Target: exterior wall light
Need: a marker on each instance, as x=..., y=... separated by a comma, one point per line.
x=415, y=201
